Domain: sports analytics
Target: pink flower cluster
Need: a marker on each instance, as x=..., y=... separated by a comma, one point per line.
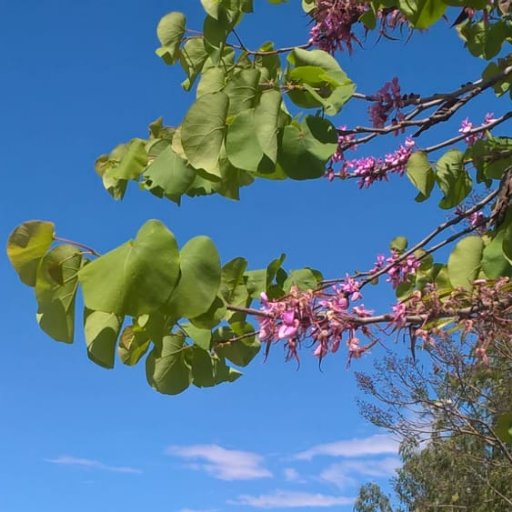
x=399, y=270
x=322, y=316
x=325, y=316
x=334, y=22
x=387, y=100
x=371, y=169
x=345, y=141
x=467, y=126
x=476, y=220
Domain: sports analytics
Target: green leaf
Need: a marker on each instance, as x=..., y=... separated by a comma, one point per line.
x=422, y=13
x=104, y=166
x=242, y=147
x=167, y=370
x=494, y=262
x=270, y=63
x=399, y=243
x=101, y=332
x=243, y=90
x=453, y=179
x=201, y=337
x=170, y=31
x=492, y=156
x=211, y=7
x=256, y=282
x=193, y=55
x=212, y=80
x=132, y=162
x=507, y=242
x=26, y=245
x=55, y=288
x=209, y=370
x=215, y=34
x=212, y=317
x=203, y=131
x=420, y=173
x=267, y=122
x=133, y=344
x=168, y=175
x=199, y=281
x=504, y=427
x=136, y=278
x=464, y=262
x=308, y=5
x=304, y=279
x=275, y=277
x=485, y=39
x=240, y=352
x=324, y=83
x=233, y=288
x=307, y=147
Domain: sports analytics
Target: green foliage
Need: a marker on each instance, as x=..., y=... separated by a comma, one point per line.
x=485, y=39
x=306, y=147
x=464, y=262
x=372, y=499
x=453, y=179
x=26, y=246
x=56, y=287
x=199, y=282
x=137, y=277
x=422, y=13
x=170, y=31
x=185, y=309
x=420, y=172
x=318, y=81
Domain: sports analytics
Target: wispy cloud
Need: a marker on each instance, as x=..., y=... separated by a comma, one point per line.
x=292, y=475
x=290, y=499
x=373, y=445
x=222, y=463
x=197, y=510
x=68, y=460
x=348, y=472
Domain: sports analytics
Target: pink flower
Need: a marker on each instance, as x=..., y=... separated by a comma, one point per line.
x=388, y=99
x=289, y=325
x=351, y=287
x=399, y=315
x=334, y=22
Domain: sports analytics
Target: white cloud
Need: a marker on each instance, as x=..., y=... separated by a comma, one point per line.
x=290, y=499
x=292, y=475
x=222, y=463
x=373, y=445
x=349, y=472
x=337, y=475
x=198, y=510
x=68, y=460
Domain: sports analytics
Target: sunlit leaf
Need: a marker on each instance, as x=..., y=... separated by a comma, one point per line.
x=55, y=288
x=26, y=245
x=203, y=131
x=166, y=367
x=101, y=332
x=136, y=278
x=464, y=262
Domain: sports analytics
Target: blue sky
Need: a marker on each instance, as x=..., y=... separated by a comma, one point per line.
x=80, y=77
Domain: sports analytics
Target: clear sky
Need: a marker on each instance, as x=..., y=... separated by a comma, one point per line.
x=78, y=77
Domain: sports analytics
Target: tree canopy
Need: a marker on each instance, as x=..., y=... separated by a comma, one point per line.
x=276, y=114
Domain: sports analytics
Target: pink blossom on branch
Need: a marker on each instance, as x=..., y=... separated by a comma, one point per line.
x=323, y=316
x=387, y=100
x=467, y=126
x=371, y=169
x=334, y=24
